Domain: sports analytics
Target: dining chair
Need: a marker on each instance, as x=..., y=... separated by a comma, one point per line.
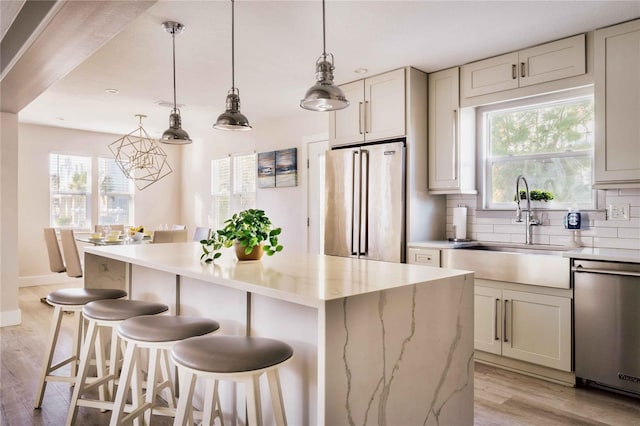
x=201, y=233
x=70, y=252
x=115, y=227
x=178, y=227
x=56, y=264
x=178, y=236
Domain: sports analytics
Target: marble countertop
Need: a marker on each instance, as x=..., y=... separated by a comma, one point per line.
x=605, y=254
x=295, y=277
x=442, y=244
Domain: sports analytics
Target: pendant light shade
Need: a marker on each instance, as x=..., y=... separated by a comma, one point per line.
x=324, y=95
x=174, y=134
x=232, y=118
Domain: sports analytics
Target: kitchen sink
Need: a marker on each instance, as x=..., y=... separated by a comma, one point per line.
x=516, y=263
x=521, y=248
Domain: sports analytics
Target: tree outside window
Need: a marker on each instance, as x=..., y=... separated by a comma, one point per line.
x=550, y=143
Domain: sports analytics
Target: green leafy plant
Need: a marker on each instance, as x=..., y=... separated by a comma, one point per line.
x=249, y=228
x=536, y=195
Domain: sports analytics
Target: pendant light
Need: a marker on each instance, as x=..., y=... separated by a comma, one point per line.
x=139, y=157
x=174, y=134
x=324, y=95
x=232, y=118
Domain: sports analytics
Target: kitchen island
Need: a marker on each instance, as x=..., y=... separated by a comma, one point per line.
x=375, y=342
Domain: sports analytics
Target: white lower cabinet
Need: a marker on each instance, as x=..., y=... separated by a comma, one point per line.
x=531, y=327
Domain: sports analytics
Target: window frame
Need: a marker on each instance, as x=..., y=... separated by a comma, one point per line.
x=483, y=162
x=235, y=197
x=93, y=181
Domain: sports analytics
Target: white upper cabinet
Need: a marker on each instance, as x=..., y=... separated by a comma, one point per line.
x=451, y=154
x=376, y=110
x=617, y=100
x=551, y=61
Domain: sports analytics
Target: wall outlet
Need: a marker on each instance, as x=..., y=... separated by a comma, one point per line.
x=618, y=212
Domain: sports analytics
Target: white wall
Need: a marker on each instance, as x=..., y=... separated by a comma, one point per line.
x=9, y=309
x=286, y=207
x=157, y=204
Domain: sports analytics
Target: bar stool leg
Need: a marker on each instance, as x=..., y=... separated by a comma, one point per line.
x=51, y=345
x=77, y=341
x=187, y=385
x=168, y=390
x=254, y=408
x=114, y=358
x=82, y=372
x=123, y=385
x=103, y=391
x=152, y=382
x=275, y=389
x=212, y=407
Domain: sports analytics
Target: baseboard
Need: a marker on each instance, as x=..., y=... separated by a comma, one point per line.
x=34, y=280
x=556, y=376
x=8, y=318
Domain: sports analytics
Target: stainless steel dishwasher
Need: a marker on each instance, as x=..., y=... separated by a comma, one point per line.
x=607, y=323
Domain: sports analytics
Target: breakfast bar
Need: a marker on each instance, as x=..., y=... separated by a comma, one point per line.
x=374, y=342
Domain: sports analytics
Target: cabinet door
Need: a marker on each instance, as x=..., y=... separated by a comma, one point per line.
x=385, y=105
x=490, y=75
x=537, y=329
x=487, y=326
x=443, y=130
x=617, y=100
x=346, y=126
x=552, y=61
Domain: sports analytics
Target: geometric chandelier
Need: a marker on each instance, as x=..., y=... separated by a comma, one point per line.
x=140, y=158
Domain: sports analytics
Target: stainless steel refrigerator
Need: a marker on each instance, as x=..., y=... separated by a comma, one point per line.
x=365, y=202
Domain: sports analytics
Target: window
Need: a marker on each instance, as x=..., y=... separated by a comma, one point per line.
x=115, y=201
x=233, y=186
x=548, y=140
x=70, y=191
x=72, y=205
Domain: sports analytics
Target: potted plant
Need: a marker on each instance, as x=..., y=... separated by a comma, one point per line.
x=252, y=233
x=537, y=196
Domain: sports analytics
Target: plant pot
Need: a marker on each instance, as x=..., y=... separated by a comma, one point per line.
x=256, y=253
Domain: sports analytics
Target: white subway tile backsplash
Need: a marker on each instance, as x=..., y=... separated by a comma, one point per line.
x=500, y=226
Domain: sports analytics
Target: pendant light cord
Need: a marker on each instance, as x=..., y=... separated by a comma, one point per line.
x=324, y=32
x=233, y=79
x=173, y=36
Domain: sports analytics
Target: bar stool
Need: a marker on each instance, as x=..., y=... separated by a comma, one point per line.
x=241, y=359
x=68, y=300
x=158, y=335
x=103, y=314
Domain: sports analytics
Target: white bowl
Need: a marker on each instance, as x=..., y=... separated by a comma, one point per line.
x=137, y=236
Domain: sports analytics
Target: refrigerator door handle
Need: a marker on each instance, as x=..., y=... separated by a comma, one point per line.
x=364, y=202
x=355, y=224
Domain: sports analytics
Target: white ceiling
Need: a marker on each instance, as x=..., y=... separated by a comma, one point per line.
x=277, y=44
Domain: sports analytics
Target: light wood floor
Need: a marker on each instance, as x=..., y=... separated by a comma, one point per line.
x=501, y=397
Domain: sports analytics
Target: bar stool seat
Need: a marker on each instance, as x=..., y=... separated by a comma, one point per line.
x=68, y=300
x=158, y=335
x=237, y=358
x=104, y=314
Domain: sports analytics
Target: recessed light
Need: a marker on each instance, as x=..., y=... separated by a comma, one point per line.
x=168, y=104
x=360, y=70
x=112, y=91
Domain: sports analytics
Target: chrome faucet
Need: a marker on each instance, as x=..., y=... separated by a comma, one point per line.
x=530, y=221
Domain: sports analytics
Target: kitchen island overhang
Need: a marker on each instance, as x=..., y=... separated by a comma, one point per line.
x=375, y=342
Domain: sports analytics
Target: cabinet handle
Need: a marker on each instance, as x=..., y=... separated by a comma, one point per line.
x=504, y=323
x=360, y=117
x=513, y=72
x=454, y=165
x=522, y=74
x=367, y=117
x=495, y=320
